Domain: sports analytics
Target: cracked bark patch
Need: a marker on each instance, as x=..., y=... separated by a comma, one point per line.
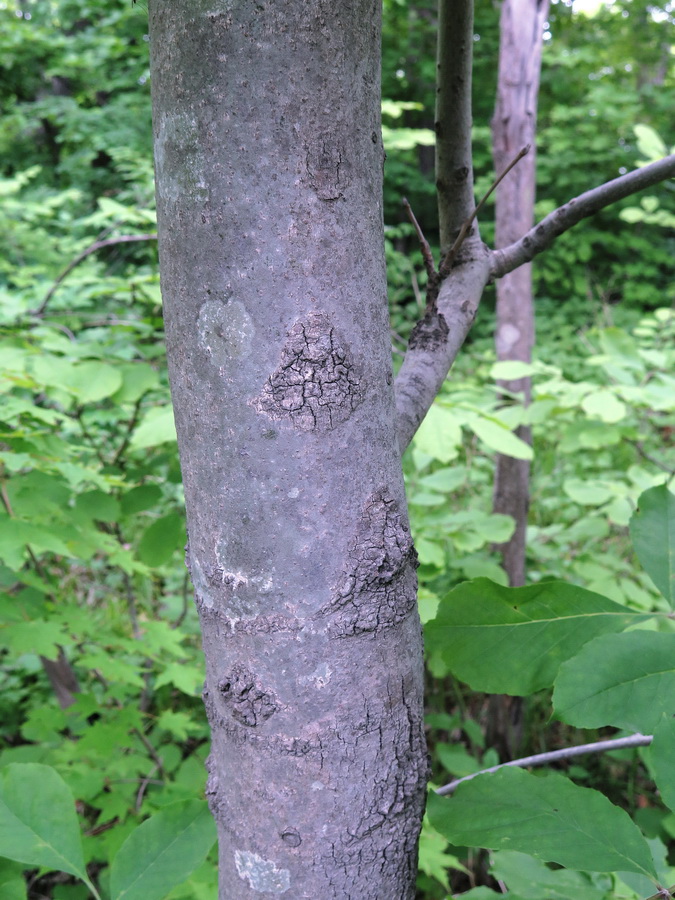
x=249, y=704
x=317, y=385
x=326, y=168
x=378, y=587
x=430, y=333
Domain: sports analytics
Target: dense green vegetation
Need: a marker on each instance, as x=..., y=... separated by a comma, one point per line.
x=91, y=515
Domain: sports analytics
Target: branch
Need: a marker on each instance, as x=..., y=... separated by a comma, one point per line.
x=454, y=166
x=427, y=256
x=92, y=248
x=542, y=235
x=437, y=339
x=542, y=759
x=451, y=255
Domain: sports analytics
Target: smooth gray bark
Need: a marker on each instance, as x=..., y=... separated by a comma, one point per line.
x=454, y=163
x=268, y=166
x=513, y=127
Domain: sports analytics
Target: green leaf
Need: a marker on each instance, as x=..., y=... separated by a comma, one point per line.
x=407, y=138
x=98, y=505
x=626, y=680
x=161, y=539
x=547, y=817
x=92, y=381
x=13, y=884
x=604, y=405
x=140, y=498
x=652, y=530
x=179, y=724
x=511, y=370
x=588, y=493
x=456, y=760
x=38, y=822
x=41, y=637
x=512, y=640
x=15, y=535
x=112, y=668
x=162, y=852
x=156, y=427
x=188, y=679
x=445, y=480
x=499, y=438
x=531, y=878
x=137, y=379
x=433, y=857
x=440, y=434
x=662, y=757
x=649, y=142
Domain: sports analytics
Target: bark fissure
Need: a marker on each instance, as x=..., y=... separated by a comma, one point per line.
x=317, y=384
x=379, y=586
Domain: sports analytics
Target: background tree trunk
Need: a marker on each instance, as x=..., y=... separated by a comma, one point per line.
x=513, y=127
x=269, y=164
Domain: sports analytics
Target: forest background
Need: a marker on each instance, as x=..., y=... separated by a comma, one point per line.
x=101, y=667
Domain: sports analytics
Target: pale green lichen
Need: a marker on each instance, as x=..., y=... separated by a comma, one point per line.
x=225, y=331
x=179, y=164
x=261, y=874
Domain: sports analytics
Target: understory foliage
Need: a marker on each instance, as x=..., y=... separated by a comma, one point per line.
x=103, y=793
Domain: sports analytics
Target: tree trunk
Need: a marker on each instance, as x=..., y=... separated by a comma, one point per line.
x=513, y=127
x=269, y=167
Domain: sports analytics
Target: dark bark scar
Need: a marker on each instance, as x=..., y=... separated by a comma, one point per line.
x=325, y=167
x=317, y=384
x=379, y=584
x=249, y=703
x=430, y=333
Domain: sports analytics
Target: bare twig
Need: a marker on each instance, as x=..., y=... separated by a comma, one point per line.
x=451, y=255
x=92, y=248
x=562, y=219
x=542, y=759
x=663, y=893
x=152, y=753
x=429, y=263
x=131, y=425
x=185, y=601
x=144, y=785
x=652, y=459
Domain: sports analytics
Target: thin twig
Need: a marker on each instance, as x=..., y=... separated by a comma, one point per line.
x=92, y=248
x=541, y=759
x=652, y=459
x=663, y=893
x=144, y=785
x=152, y=753
x=186, y=600
x=451, y=255
x=133, y=422
x=427, y=255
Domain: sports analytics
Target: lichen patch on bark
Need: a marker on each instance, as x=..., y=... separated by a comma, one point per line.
x=225, y=332
x=317, y=384
x=262, y=874
x=379, y=583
